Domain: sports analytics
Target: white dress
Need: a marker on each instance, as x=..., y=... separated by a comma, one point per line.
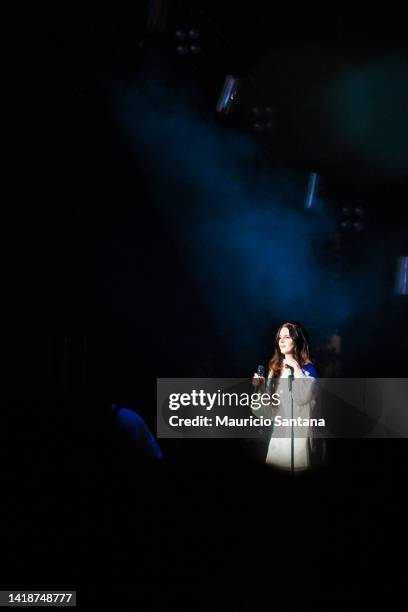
x=280, y=444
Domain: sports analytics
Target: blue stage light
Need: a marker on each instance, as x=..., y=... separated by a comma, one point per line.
x=311, y=190
x=228, y=94
x=401, y=285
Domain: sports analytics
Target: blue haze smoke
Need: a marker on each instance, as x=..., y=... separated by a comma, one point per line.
x=248, y=242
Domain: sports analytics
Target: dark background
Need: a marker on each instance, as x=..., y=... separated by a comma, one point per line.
x=102, y=298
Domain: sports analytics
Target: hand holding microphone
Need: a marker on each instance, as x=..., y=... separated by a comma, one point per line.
x=258, y=378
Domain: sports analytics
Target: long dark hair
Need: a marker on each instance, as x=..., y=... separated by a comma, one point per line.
x=301, y=351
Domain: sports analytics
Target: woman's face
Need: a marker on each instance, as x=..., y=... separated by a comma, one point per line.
x=286, y=343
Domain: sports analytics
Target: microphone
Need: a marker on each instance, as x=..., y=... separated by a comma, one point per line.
x=291, y=375
x=291, y=368
x=261, y=371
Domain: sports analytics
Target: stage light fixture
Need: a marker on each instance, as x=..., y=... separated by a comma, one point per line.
x=195, y=49
x=180, y=34
x=345, y=225
x=358, y=226
x=359, y=211
x=228, y=94
x=182, y=49
x=257, y=111
x=194, y=33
